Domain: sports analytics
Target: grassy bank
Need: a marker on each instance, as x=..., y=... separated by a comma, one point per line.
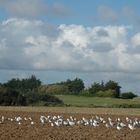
x=82, y=101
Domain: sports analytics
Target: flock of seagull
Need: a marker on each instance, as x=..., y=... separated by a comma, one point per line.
x=59, y=121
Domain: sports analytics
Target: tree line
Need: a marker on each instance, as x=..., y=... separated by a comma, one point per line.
x=31, y=91
x=25, y=92
x=77, y=87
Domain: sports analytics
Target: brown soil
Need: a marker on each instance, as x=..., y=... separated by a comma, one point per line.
x=26, y=131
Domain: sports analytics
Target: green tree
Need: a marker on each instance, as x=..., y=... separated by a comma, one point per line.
x=13, y=83
x=21, y=100
x=33, y=82
x=24, y=85
x=96, y=87
x=113, y=86
x=10, y=96
x=75, y=86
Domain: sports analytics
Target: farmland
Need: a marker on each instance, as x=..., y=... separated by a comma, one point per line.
x=23, y=122
x=14, y=131
x=19, y=123
x=74, y=110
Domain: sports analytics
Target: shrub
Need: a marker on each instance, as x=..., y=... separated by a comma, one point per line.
x=107, y=93
x=50, y=99
x=11, y=97
x=85, y=93
x=32, y=97
x=55, y=89
x=96, y=87
x=128, y=95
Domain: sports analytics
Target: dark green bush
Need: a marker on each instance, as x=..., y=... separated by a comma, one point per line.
x=32, y=97
x=35, y=97
x=50, y=99
x=11, y=97
x=128, y=95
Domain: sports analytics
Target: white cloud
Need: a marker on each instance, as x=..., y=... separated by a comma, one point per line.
x=136, y=39
x=31, y=44
x=134, y=47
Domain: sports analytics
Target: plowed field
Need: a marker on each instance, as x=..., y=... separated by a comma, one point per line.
x=37, y=131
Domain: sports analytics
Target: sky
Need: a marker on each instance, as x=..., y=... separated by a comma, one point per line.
x=57, y=40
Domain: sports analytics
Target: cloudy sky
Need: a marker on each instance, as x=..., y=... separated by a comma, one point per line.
x=59, y=39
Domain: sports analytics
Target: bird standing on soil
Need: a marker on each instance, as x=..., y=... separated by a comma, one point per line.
x=32, y=123
x=119, y=126
x=131, y=127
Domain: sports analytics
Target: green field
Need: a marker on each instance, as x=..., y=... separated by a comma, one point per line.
x=85, y=105
x=82, y=101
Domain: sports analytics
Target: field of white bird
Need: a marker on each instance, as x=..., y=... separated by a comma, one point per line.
x=21, y=123
x=60, y=121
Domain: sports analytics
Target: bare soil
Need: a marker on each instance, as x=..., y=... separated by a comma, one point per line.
x=26, y=131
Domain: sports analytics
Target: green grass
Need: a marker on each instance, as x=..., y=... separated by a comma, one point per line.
x=98, y=102
x=81, y=104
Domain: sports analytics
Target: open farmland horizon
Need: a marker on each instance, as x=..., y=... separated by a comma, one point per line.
x=69, y=70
